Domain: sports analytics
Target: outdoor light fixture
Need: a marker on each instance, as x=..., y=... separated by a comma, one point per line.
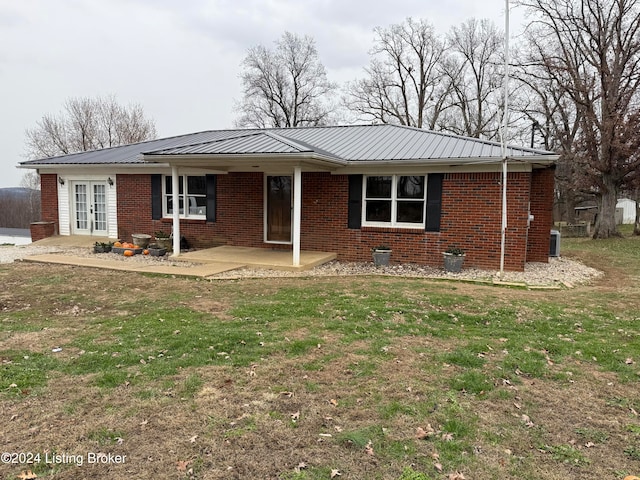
x=110, y=181
x=61, y=180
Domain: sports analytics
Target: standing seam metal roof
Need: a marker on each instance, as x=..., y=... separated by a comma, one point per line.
x=355, y=143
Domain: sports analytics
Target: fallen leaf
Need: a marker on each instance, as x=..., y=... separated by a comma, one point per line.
x=589, y=444
x=143, y=423
x=287, y=394
x=333, y=402
x=27, y=475
x=438, y=467
x=182, y=465
x=629, y=361
x=301, y=466
x=447, y=437
x=193, y=439
x=335, y=473
x=369, y=448
x=527, y=421
x=295, y=416
x=456, y=476
x=422, y=433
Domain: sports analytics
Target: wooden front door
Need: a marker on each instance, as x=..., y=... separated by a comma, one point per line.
x=278, y=209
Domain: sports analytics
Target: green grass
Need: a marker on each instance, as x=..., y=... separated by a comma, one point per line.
x=397, y=354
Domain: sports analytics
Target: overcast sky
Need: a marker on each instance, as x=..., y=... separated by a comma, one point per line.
x=179, y=59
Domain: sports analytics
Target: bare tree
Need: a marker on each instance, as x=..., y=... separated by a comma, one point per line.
x=31, y=183
x=592, y=50
x=88, y=124
x=405, y=81
x=285, y=87
x=475, y=71
x=552, y=119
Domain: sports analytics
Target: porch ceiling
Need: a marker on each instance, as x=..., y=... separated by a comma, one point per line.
x=248, y=162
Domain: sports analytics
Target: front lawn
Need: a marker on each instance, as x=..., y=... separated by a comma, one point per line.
x=319, y=378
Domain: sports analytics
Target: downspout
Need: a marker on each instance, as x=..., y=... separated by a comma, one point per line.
x=503, y=235
x=175, y=199
x=297, y=214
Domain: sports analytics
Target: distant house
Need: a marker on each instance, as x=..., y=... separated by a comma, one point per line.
x=626, y=211
x=342, y=189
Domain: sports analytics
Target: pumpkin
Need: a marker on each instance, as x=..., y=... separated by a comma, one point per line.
x=117, y=244
x=128, y=253
x=145, y=252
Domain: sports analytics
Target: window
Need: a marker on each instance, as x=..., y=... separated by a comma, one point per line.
x=193, y=194
x=394, y=201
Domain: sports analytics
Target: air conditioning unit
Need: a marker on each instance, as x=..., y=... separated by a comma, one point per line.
x=554, y=244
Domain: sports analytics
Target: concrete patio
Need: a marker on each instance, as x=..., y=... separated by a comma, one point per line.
x=201, y=263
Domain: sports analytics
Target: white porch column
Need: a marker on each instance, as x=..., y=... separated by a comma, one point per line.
x=297, y=214
x=175, y=198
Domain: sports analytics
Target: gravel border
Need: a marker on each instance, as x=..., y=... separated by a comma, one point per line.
x=558, y=272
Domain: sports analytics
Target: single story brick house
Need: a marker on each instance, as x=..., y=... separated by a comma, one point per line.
x=342, y=189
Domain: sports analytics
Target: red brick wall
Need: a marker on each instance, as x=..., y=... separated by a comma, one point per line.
x=542, y=185
x=49, y=199
x=239, y=212
x=471, y=217
x=134, y=205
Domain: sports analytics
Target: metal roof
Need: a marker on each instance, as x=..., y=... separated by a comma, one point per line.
x=353, y=144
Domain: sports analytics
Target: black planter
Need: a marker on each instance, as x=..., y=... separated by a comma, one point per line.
x=381, y=257
x=453, y=263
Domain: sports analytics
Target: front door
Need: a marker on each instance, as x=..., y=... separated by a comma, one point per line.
x=90, y=208
x=278, y=208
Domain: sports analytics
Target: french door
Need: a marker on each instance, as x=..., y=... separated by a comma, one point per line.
x=90, y=208
x=278, y=209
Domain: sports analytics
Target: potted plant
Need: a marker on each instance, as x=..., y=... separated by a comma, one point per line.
x=141, y=239
x=381, y=255
x=163, y=239
x=102, y=247
x=156, y=250
x=453, y=259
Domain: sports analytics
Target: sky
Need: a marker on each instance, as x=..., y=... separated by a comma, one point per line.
x=180, y=59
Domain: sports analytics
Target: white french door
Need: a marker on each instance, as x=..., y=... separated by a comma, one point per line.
x=90, y=208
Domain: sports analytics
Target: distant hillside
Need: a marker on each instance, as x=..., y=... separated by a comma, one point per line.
x=19, y=207
x=17, y=192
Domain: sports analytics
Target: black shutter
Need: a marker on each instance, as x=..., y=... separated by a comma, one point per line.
x=156, y=197
x=355, y=202
x=211, y=197
x=434, y=202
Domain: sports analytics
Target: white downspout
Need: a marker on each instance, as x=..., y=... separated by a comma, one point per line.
x=297, y=214
x=175, y=196
x=503, y=235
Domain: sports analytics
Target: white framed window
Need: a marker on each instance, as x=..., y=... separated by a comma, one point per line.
x=394, y=201
x=193, y=194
